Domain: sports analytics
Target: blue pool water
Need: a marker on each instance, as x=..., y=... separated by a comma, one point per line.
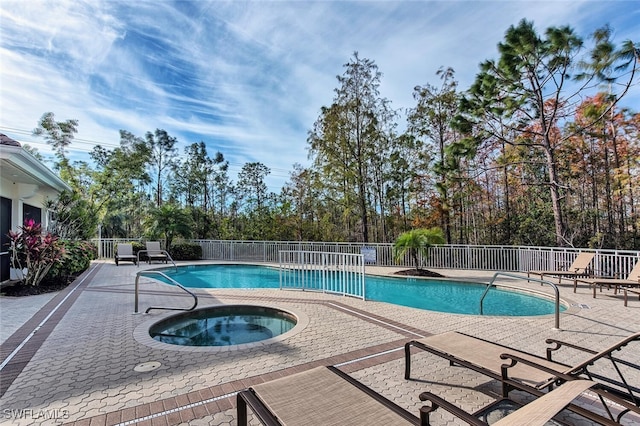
x=433, y=295
x=222, y=326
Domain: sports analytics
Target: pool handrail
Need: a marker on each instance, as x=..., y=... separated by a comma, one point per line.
x=166, y=253
x=137, y=286
x=506, y=274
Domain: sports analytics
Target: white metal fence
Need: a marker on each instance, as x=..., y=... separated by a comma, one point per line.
x=610, y=263
x=339, y=273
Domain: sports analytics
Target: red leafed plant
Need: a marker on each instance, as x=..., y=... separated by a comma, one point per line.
x=33, y=251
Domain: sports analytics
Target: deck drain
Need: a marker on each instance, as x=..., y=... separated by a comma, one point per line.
x=581, y=305
x=147, y=366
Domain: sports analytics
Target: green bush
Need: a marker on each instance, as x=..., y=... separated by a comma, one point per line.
x=77, y=258
x=186, y=251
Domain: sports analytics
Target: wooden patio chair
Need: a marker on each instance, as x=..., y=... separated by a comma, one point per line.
x=320, y=396
x=632, y=281
x=580, y=266
x=125, y=252
x=524, y=371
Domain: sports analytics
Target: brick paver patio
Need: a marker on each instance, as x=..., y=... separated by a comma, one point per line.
x=78, y=366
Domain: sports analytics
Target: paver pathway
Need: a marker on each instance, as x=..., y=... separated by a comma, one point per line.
x=79, y=367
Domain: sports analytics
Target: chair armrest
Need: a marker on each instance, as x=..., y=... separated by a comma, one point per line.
x=559, y=344
x=436, y=402
x=555, y=376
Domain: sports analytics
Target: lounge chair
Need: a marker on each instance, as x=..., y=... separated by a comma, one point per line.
x=125, y=252
x=538, y=412
x=632, y=280
x=580, y=266
x=524, y=371
x=154, y=252
x=320, y=396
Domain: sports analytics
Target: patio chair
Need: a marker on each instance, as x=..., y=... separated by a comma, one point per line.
x=154, y=252
x=580, y=266
x=320, y=396
x=538, y=412
x=531, y=373
x=632, y=280
x=125, y=252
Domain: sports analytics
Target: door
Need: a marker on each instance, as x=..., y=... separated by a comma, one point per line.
x=5, y=226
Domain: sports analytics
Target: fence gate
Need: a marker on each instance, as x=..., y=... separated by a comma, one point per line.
x=338, y=273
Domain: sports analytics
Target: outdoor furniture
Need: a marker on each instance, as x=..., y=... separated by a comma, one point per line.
x=154, y=252
x=579, y=266
x=320, y=396
x=538, y=412
x=632, y=280
x=125, y=252
x=524, y=371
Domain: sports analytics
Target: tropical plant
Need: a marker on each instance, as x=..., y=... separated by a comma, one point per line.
x=32, y=251
x=169, y=221
x=78, y=257
x=417, y=241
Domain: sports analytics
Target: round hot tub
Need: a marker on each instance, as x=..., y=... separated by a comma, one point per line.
x=225, y=325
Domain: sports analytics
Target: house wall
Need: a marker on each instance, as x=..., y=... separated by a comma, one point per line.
x=23, y=193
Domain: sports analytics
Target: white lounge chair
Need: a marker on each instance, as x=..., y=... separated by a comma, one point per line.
x=125, y=252
x=154, y=252
x=580, y=266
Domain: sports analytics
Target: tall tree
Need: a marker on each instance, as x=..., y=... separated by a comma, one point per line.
x=163, y=154
x=251, y=183
x=59, y=134
x=431, y=118
x=529, y=90
x=347, y=134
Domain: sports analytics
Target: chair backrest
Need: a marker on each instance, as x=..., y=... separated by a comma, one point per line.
x=634, y=275
x=153, y=246
x=582, y=261
x=125, y=249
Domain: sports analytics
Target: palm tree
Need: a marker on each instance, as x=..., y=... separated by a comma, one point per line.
x=169, y=221
x=417, y=241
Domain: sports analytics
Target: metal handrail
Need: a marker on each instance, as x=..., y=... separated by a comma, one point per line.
x=555, y=289
x=166, y=253
x=195, y=298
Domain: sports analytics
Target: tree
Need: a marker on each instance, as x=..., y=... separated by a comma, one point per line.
x=529, y=92
x=74, y=216
x=347, y=135
x=251, y=184
x=163, y=153
x=58, y=134
x=169, y=221
x=431, y=118
x=417, y=241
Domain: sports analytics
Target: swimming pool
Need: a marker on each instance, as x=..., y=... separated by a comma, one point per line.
x=434, y=295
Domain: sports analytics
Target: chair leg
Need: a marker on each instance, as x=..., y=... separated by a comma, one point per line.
x=241, y=410
x=407, y=360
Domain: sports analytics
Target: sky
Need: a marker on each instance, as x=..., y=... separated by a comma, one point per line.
x=247, y=78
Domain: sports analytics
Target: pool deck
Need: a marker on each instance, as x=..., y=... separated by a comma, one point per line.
x=71, y=357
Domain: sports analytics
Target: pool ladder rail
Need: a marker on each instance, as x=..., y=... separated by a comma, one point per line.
x=174, y=282
x=164, y=252
x=506, y=274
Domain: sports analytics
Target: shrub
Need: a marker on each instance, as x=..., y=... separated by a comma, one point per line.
x=186, y=251
x=78, y=257
x=35, y=252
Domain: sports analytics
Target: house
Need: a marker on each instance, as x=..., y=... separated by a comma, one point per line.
x=25, y=185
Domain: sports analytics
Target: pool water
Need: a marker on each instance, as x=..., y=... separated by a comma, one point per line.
x=222, y=326
x=434, y=295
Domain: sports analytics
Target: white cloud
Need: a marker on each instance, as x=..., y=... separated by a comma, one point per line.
x=248, y=78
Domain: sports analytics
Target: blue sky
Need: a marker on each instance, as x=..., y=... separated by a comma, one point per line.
x=247, y=78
